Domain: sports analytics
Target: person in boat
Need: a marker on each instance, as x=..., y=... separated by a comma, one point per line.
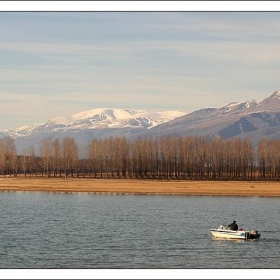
x=233, y=226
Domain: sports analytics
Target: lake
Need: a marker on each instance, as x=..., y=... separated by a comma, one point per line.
x=82, y=230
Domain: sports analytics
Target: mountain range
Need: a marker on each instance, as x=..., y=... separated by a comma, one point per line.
x=84, y=126
x=249, y=119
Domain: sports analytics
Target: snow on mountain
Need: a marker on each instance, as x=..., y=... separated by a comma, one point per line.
x=115, y=118
x=106, y=113
x=276, y=94
x=237, y=107
x=100, y=118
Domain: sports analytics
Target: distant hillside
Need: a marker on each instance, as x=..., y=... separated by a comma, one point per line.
x=252, y=119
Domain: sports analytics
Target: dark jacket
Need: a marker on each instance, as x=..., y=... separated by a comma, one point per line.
x=233, y=226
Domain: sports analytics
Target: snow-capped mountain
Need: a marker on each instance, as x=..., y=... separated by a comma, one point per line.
x=101, y=118
x=84, y=126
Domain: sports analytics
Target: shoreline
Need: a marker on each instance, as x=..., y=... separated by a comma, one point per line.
x=142, y=187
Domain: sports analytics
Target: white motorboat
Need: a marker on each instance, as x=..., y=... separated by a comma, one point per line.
x=224, y=232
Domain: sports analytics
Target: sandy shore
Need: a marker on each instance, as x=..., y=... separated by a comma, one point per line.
x=111, y=186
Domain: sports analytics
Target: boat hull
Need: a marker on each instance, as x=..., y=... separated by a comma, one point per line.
x=222, y=232
x=228, y=234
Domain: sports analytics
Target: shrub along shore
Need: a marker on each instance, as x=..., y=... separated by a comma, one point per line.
x=142, y=187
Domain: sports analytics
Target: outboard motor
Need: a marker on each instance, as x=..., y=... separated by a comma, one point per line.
x=254, y=234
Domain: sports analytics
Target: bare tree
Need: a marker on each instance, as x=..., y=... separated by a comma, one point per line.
x=57, y=157
x=8, y=156
x=70, y=155
x=46, y=149
x=262, y=158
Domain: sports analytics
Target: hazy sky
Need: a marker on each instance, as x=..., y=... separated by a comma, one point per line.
x=61, y=63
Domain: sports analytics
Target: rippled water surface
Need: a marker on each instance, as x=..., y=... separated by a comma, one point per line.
x=48, y=230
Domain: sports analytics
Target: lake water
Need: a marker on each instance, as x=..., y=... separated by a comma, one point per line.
x=52, y=230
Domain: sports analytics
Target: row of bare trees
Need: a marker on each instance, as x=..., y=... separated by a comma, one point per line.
x=154, y=157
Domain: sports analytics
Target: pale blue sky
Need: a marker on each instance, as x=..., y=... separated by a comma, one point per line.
x=61, y=63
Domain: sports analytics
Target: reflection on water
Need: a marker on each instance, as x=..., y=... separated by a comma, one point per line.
x=48, y=230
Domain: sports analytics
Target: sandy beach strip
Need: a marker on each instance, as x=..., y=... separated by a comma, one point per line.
x=131, y=186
